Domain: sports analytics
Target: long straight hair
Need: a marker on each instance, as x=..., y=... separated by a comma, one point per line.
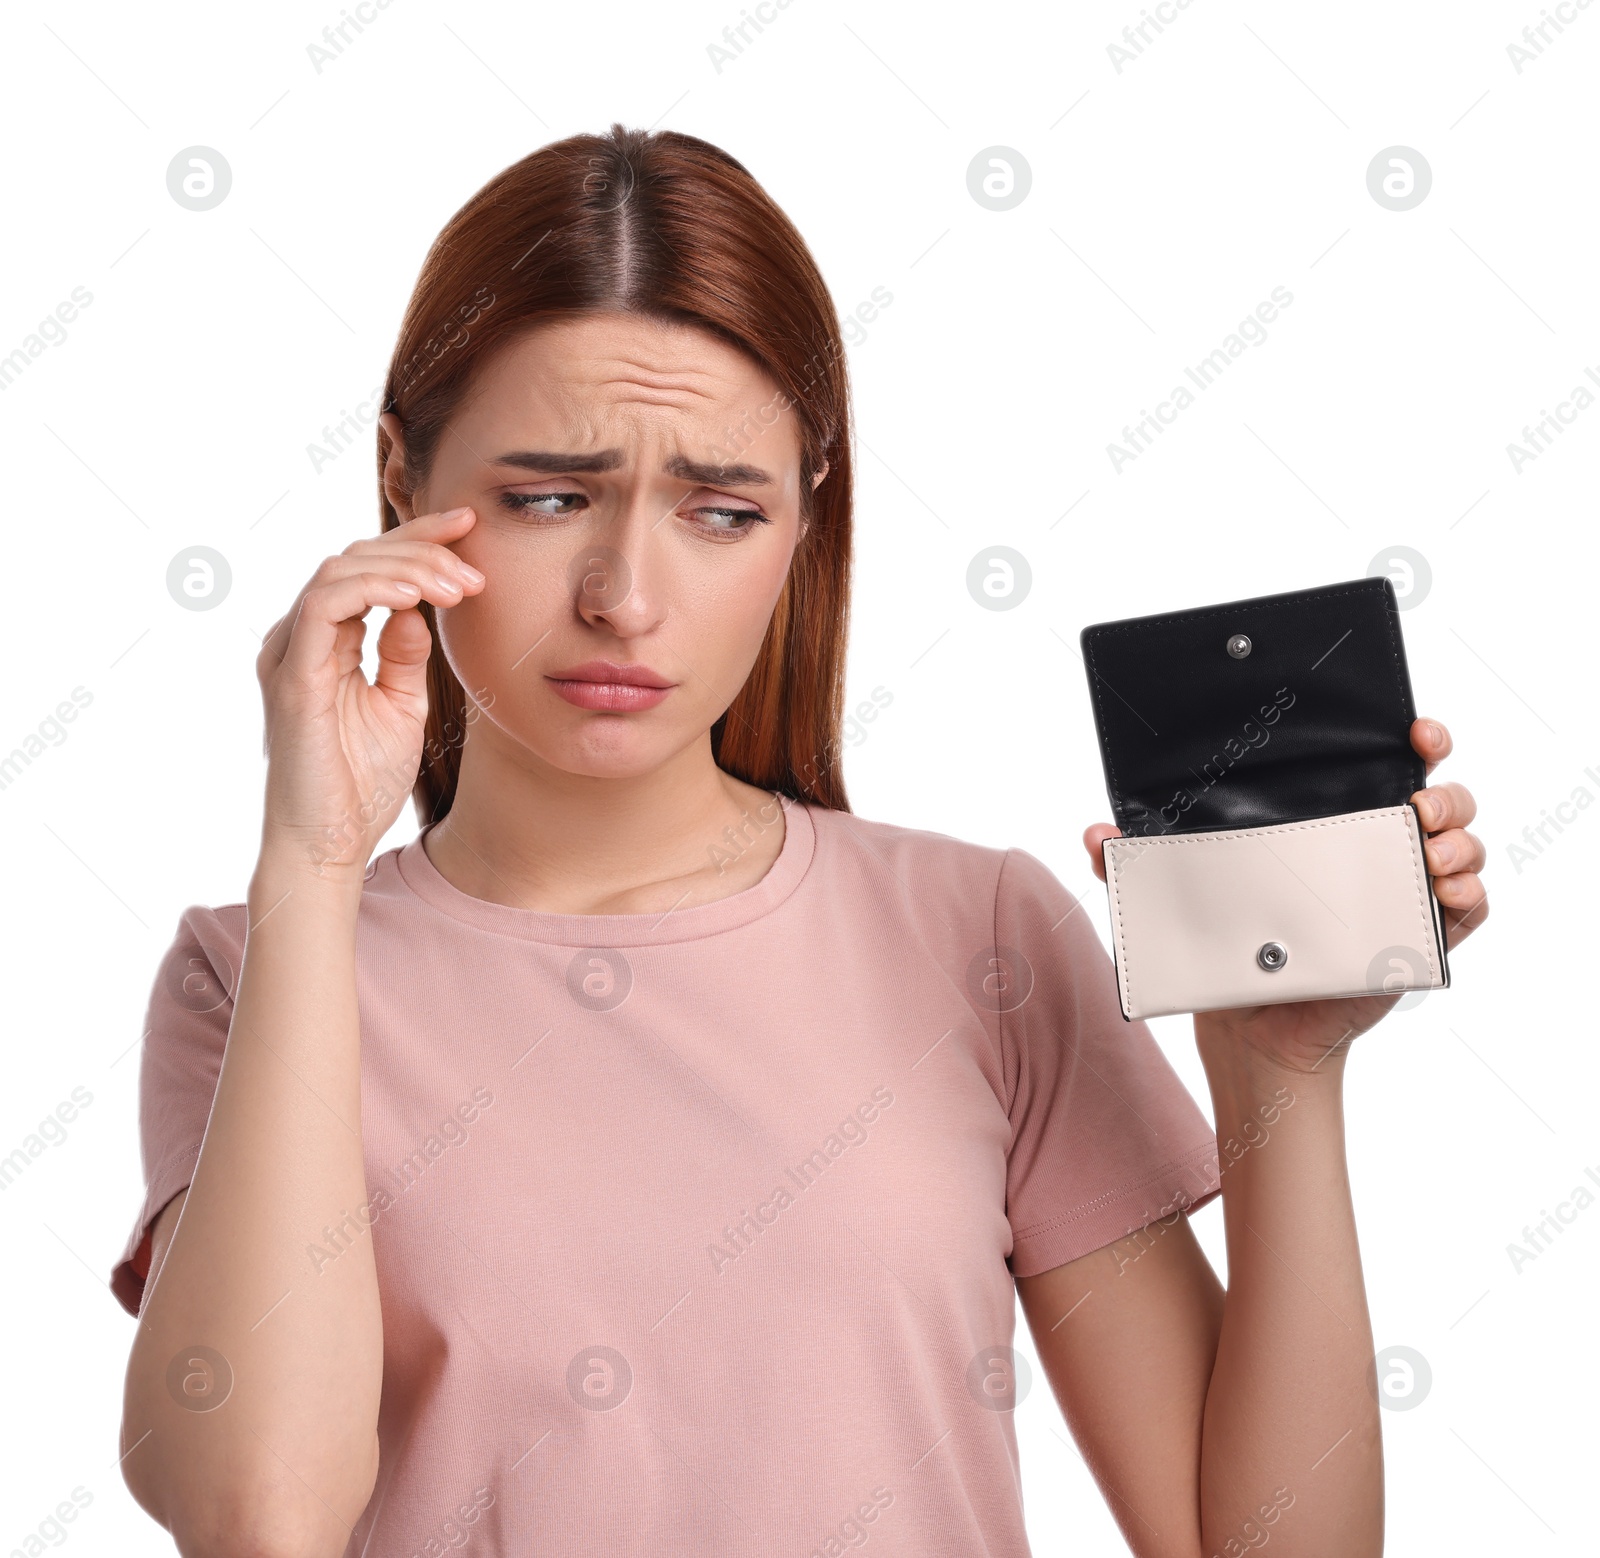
x=667, y=226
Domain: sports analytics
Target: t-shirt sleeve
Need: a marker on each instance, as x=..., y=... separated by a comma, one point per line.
x=185, y=1033
x=1105, y=1137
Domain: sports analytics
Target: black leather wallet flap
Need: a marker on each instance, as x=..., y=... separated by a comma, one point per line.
x=1255, y=712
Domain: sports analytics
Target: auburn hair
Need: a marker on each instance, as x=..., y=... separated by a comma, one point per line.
x=668, y=226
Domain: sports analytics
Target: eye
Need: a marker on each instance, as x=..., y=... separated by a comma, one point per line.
x=527, y=503
x=723, y=521
x=732, y=522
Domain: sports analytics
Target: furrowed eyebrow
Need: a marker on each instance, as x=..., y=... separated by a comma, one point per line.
x=702, y=473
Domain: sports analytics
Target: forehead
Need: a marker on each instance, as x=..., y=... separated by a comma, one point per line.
x=613, y=374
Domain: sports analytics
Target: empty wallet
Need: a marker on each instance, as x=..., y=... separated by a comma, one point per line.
x=1259, y=764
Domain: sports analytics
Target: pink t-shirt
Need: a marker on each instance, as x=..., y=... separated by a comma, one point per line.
x=696, y=1233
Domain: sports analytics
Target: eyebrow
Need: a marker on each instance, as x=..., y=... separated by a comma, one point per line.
x=698, y=471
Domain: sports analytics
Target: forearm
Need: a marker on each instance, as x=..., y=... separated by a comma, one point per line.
x=287, y=1460
x=1291, y=1449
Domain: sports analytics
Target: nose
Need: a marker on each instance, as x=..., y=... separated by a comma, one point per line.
x=619, y=576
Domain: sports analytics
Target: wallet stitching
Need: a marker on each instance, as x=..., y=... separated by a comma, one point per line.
x=1201, y=616
x=1196, y=839
x=1420, y=878
x=1394, y=657
x=1122, y=941
x=1224, y=611
x=1143, y=842
x=1105, y=742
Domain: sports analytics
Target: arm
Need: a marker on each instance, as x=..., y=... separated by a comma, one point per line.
x=1215, y=1422
x=274, y=1449
x=288, y=1461
x=1210, y=1418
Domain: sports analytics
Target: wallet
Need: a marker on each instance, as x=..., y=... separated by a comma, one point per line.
x=1258, y=760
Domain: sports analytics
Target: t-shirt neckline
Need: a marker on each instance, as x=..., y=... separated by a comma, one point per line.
x=689, y=923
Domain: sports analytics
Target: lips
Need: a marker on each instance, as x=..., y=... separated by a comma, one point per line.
x=608, y=673
x=608, y=688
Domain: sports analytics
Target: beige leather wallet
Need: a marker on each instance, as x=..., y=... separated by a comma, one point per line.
x=1259, y=763
x=1339, y=906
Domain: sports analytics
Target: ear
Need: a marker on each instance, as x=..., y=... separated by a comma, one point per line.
x=394, y=467
x=805, y=524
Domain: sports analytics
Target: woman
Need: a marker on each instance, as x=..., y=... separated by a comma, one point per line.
x=644, y=1158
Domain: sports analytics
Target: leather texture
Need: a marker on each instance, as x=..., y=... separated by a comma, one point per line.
x=1347, y=897
x=1314, y=721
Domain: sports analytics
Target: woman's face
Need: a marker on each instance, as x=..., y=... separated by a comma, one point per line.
x=636, y=485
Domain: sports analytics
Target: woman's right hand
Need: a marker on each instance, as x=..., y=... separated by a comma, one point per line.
x=342, y=756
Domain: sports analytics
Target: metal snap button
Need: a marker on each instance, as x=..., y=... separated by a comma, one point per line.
x=1238, y=646
x=1272, y=955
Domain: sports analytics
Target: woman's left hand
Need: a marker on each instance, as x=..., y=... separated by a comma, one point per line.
x=1301, y=1035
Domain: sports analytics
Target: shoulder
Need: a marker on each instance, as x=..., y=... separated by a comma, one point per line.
x=199, y=968
x=208, y=937
x=218, y=930
x=924, y=866
x=891, y=843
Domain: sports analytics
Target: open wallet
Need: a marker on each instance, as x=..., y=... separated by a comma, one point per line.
x=1259, y=763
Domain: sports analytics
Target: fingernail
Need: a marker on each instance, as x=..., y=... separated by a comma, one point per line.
x=471, y=573
x=453, y=513
x=1444, y=853
x=446, y=583
x=1435, y=734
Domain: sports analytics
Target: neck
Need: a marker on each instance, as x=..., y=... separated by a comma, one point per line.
x=523, y=833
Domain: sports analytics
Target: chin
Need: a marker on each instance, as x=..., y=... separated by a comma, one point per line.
x=609, y=748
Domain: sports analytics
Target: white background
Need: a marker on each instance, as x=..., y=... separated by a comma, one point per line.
x=1168, y=199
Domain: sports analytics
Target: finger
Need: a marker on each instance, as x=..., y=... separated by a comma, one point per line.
x=314, y=638
x=1465, y=902
x=1454, y=850
x=1431, y=740
x=442, y=586
x=1093, y=837
x=444, y=527
x=349, y=641
x=443, y=576
x=1447, y=805
x=1462, y=890
x=276, y=639
x=403, y=648
x=428, y=553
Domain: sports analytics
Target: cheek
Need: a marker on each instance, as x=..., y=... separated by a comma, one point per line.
x=723, y=619
x=487, y=634
x=717, y=623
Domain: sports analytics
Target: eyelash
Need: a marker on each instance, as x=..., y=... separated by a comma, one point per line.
x=522, y=503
